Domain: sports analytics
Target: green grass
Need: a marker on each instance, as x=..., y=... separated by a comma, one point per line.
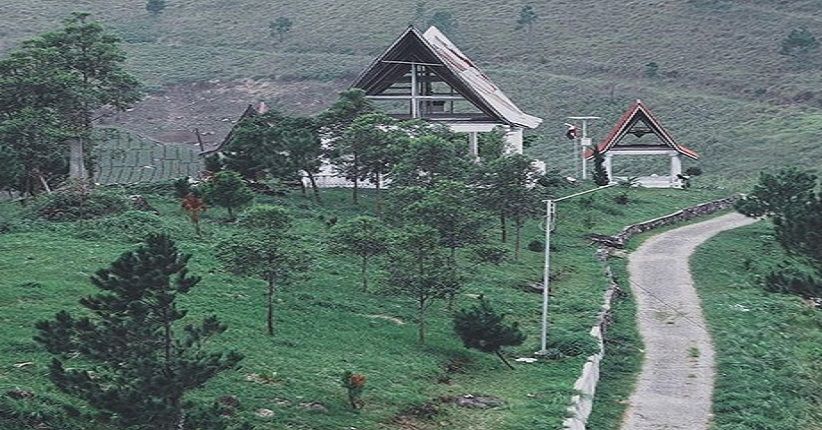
x=326, y=325
x=623, y=357
x=768, y=345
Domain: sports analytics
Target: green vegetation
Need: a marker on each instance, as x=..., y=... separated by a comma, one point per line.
x=482, y=328
x=734, y=97
x=768, y=345
x=132, y=360
x=623, y=356
x=326, y=323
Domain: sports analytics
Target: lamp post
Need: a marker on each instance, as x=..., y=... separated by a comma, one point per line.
x=550, y=207
x=584, y=140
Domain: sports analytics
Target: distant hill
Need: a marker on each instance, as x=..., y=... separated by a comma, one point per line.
x=722, y=85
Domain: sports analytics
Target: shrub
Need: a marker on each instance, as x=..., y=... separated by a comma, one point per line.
x=131, y=226
x=77, y=205
x=568, y=344
x=794, y=279
x=490, y=253
x=536, y=246
x=182, y=187
x=621, y=199
x=693, y=171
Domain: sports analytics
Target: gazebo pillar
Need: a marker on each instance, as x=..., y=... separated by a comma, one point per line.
x=608, y=166
x=676, y=167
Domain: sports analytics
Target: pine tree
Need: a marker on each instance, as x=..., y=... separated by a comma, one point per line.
x=227, y=189
x=266, y=250
x=419, y=268
x=134, y=361
x=600, y=174
x=280, y=27
x=482, y=328
x=364, y=237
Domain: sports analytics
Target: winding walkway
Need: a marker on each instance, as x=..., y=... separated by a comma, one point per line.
x=675, y=386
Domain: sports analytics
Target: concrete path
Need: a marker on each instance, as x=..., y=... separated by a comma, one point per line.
x=675, y=386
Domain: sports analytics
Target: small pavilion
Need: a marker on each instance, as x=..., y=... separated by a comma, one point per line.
x=628, y=138
x=424, y=75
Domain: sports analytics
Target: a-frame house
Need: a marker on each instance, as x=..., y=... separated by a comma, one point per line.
x=627, y=138
x=424, y=75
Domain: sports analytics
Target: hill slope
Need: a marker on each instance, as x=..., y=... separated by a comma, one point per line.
x=723, y=88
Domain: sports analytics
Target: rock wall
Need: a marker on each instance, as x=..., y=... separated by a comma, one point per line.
x=620, y=239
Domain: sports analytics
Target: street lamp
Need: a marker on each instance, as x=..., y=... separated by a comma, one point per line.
x=550, y=207
x=584, y=140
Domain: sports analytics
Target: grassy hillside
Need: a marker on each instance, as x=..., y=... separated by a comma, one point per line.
x=326, y=325
x=723, y=88
x=769, y=346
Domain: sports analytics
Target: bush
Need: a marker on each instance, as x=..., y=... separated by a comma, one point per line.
x=568, y=344
x=794, y=279
x=182, y=187
x=77, y=205
x=536, y=246
x=693, y=171
x=131, y=227
x=489, y=253
x=621, y=199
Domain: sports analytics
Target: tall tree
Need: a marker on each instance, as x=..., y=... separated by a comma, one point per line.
x=374, y=141
x=91, y=60
x=334, y=122
x=31, y=141
x=419, y=268
x=280, y=27
x=266, y=250
x=447, y=207
x=300, y=141
x=429, y=159
x=527, y=17
x=364, y=237
x=481, y=327
x=507, y=187
x=227, y=189
x=129, y=356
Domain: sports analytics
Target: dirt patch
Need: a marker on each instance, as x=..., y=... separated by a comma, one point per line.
x=172, y=114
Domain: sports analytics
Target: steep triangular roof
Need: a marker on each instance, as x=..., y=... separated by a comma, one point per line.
x=250, y=111
x=638, y=114
x=434, y=50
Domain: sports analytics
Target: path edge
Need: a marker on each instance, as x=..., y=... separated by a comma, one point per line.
x=582, y=402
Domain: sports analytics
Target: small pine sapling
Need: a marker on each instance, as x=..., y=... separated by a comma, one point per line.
x=482, y=328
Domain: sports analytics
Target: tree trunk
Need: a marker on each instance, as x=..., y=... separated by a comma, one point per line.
x=302, y=188
x=501, y=357
x=503, y=228
x=270, y=318
x=356, y=168
x=230, y=213
x=314, y=186
x=421, y=321
x=377, y=201
x=364, y=274
x=77, y=162
x=518, y=239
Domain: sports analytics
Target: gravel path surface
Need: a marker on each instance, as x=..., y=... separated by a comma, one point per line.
x=675, y=386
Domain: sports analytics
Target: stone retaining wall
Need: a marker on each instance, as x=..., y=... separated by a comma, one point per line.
x=585, y=386
x=620, y=239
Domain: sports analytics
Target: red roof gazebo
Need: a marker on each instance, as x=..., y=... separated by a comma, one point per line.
x=626, y=139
